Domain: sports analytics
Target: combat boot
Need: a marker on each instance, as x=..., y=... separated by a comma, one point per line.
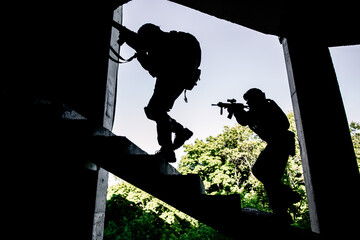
x=181, y=137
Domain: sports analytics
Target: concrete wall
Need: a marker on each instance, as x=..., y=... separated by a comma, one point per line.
x=55, y=193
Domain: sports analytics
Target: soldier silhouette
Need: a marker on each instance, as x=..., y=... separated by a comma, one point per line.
x=174, y=59
x=270, y=123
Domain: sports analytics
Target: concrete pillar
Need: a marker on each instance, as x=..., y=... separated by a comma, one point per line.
x=100, y=204
x=108, y=120
x=329, y=163
x=112, y=74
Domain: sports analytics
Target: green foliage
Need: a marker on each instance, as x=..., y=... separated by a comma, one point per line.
x=355, y=137
x=224, y=163
x=133, y=214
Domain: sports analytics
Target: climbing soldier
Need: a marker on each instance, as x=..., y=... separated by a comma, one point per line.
x=173, y=58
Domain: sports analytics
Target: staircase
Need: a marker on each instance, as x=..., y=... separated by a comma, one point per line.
x=187, y=192
x=78, y=143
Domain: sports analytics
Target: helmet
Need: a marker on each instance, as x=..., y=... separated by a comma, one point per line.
x=254, y=94
x=148, y=29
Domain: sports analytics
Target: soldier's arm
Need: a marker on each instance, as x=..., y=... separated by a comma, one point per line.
x=128, y=36
x=240, y=114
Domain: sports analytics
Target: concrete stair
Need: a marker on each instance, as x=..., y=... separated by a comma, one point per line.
x=79, y=142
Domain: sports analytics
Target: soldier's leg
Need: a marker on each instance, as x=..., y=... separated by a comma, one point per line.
x=163, y=99
x=269, y=170
x=163, y=125
x=260, y=168
x=156, y=110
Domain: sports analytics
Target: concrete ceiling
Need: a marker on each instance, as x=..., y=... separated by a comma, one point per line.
x=334, y=23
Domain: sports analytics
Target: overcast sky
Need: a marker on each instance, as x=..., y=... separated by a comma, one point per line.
x=234, y=59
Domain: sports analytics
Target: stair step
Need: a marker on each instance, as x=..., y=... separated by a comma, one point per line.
x=116, y=154
x=121, y=157
x=127, y=165
x=222, y=212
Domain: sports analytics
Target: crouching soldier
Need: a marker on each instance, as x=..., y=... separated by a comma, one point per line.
x=270, y=123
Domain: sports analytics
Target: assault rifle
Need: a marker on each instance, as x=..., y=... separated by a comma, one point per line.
x=231, y=103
